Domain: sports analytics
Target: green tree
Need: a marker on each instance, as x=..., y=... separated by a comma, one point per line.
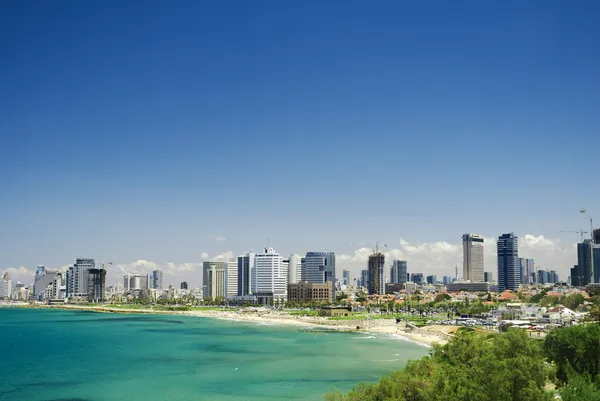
x=575, y=349
x=471, y=367
x=573, y=301
x=442, y=297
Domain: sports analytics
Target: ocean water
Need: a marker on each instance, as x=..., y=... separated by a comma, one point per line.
x=59, y=355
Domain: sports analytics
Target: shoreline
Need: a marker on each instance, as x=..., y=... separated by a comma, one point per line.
x=426, y=336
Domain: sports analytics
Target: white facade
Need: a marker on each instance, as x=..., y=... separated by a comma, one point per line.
x=231, y=278
x=294, y=269
x=473, y=268
x=269, y=275
x=6, y=288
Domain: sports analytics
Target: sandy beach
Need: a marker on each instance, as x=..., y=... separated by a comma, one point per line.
x=426, y=336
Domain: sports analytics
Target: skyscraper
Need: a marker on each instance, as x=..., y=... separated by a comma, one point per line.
x=530, y=267
x=157, y=279
x=364, y=278
x=231, y=278
x=245, y=265
x=398, y=271
x=346, y=277
x=376, y=282
x=585, y=261
x=473, y=258
x=320, y=268
x=96, y=284
x=509, y=276
x=269, y=277
x=487, y=277
x=213, y=280
x=294, y=269
x=597, y=236
x=78, y=278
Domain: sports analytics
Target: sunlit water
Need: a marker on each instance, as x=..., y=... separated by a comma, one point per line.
x=51, y=355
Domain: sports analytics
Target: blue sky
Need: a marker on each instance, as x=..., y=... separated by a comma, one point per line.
x=145, y=132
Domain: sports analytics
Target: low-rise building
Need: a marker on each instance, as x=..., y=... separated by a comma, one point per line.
x=303, y=291
x=332, y=311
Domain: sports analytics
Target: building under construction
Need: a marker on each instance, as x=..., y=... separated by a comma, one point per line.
x=96, y=285
x=376, y=282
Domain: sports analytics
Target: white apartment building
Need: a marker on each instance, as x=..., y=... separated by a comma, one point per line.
x=269, y=277
x=231, y=278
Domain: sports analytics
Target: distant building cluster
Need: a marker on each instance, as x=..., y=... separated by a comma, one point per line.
x=269, y=278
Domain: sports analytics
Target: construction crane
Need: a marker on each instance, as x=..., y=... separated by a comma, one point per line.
x=581, y=232
x=105, y=263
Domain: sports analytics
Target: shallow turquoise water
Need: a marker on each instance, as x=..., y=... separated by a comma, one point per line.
x=51, y=355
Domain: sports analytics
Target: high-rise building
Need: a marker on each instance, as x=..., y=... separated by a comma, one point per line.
x=245, y=267
x=417, y=278
x=231, y=278
x=269, y=277
x=530, y=267
x=320, y=268
x=447, y=280
x=303, y=269
x=78, y=278
x=553, y=276
x=376, y=281
x=523, y=271
x=473, y=258
x=509, y=275
x=42, y=278
x=346, y=277
x=213, y=280
x=585, y=261
x=542, y=277
x=294, y=269
x=184, y=285
x=364, y=278
x=576, y=276
x=487, y=277
x=398, y=271
x=597, y=236
x=96, y=284
x=6, y=287
x=596, y=254
x=432, y=279
x=157, y=279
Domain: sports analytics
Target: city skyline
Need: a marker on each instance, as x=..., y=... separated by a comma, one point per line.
x=437, y=258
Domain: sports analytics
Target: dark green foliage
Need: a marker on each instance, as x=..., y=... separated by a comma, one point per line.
x=580, y=389
x=471, y=367
x=575, y=349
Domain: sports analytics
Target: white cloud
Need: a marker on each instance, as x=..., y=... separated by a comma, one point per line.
x=220, y=238
x=439, y=258
x=204, y=255
x=22, y=274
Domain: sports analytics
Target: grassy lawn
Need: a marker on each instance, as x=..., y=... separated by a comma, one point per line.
x=304, y=313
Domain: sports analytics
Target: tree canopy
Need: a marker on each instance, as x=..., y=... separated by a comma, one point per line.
x=471, y=367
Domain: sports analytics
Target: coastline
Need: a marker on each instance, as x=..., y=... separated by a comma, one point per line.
x=425, y=336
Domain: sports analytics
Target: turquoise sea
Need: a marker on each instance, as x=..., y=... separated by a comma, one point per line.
x=59, y=355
